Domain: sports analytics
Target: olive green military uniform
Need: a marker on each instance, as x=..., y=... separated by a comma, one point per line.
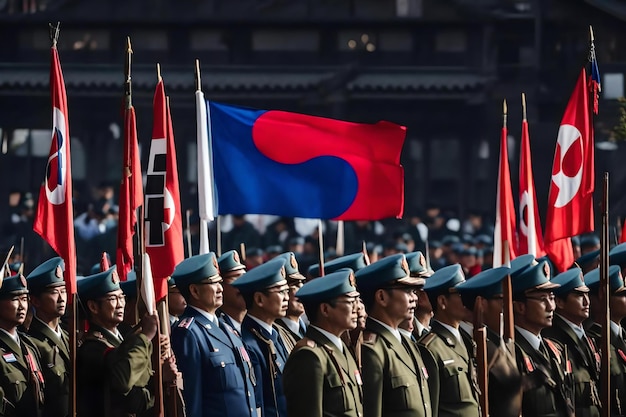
x=21, y=380
x=288, y=337
x=617, y=366
x=55, y=360
x=585, y=363
x=321, y=380
x=452, y=362
x=547, y=384
x=112, y=375
x=504, y=380
x=394, y=376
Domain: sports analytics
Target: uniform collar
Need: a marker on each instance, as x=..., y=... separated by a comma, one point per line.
x=405, y=333
x=15, y=337
x=452, y=330
x=533, y=339
x=294, y=326
x=268, y=328
x=206, y=314
x=336, y=340
x=235, y=324
x=393, y=331
x=580, y=332
x=616, y=329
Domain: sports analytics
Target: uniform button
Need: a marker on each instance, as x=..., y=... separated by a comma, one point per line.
x=248, y=393
x=459, y=368
x=223, y=365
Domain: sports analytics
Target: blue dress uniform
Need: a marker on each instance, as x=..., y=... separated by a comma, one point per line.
x=267, y=353
x=217, y=374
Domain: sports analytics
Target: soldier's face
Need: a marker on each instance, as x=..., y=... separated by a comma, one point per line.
x=176, y=302
x=539, y=310
x=294, y=307
x=618, y=307
x=454, y=306
x=361, y=314
x=274, y=301
x=343, y=316
x=207, y=295
x=109, y=310
x=402, y=303
x=232, y=296
x=13, y=311
x=51, y=303
x=575, y=307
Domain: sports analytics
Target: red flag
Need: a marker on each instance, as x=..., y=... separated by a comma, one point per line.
x=570, y=203
x=164, y=230
x=622, y=237
x=55, y=215
x=131, y=195
x=505, y=210
x=530, y=234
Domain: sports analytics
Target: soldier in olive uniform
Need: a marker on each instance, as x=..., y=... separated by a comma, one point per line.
x=321, y=378
x=420, y=324
x=113, y=372
x=452, y=356
x=543, y=362
x=291, y=328
x=572, y=308
x=395, y=380
x=21, y=379
x=48, y=296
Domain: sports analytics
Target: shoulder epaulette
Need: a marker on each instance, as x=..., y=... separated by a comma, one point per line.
x=305, y=341
x=555, y=348
x=427, y=339
x=186, y=322
x=369, y=337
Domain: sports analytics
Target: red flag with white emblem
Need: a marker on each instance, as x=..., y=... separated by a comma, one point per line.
x=164, y=231
x=54, y=221
x=570, y=203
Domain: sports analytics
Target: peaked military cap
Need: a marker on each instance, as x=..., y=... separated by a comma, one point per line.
x=48, y=274
x=521, y=263
x=229, y=262
x=570, y=280
x=487, y=284
x=445, y=280
x=129, y=287
x=267, y=275
x=589, y=241
x=617, y=255
x=551, y=265
x=537, y=277
x=274, y=249
x=97, y=285
x=616, y=280
x=355, y=262
x=417, y=264
x=328, y=287
x=587, y=258
x=391, y=270
x=291, y=266
x=196, y=269
x=12, y=286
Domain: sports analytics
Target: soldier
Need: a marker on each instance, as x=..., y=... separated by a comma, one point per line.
x=22, y=379
x=321, y=378
x=176, y=303
x=542, y=362
x=216, y=368
x=395, y=381
x=452, y=355
x=420, y=325
x=113, y=372
x=48, y=297
x=291, y=328
x=484, y=293
x=266, y=294
x=233, y=310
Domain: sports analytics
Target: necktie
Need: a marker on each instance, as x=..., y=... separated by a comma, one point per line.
x=544, y=350
x=302, y=328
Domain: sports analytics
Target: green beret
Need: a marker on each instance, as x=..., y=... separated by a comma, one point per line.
x=616, y=281
x=328, y=287
x=521, y=263
x=570, y=280
x=617, y=255
x=196, y=269
x=12, y=286
x=536, y=277
x=355, y=262
x=98, y=285
x=230, y=262
x=417, y=264
x=129, y=287
x=48, y=274
x=444, y=280
x=391, y=270
x=487, y=284
x=267, y=275
x=291, y=267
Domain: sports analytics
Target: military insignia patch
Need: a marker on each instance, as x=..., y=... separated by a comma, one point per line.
x=352, y=279
x=236, y=257
x=282, y=272
x=58, y=272
x=215, y=262
x=404, y=265
x=422, y=260
x=546, y=269
x=23, y=280
x=115, y=278
x=294, y=263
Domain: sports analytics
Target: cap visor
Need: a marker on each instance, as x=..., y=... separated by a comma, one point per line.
x=297, y=276
x=545, y=286
x=582, y=288
x=353, y=294
x=412, y=281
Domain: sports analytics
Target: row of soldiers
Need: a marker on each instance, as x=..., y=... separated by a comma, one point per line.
x=267, y=342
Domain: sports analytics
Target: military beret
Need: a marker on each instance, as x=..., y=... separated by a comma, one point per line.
x=196, y=269
x=570, y=280
x=587, y=258
x=355, y=261
x=267, y=275
x=521, y=263
x=391, y=270
x=129, y=287
x=291, y=267
x=417, y=264
x=617, y=255
x=444, y=280
x=12, y=286
x=589, y=241
x=341, y=282
x=537, y=277
x=98, y=285
x=229, y=261
x=486, y=284
x=616, y=281
x=48, y=274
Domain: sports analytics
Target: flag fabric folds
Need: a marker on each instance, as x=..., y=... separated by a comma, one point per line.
x=504, y=233
x=570, y=202
x=206, y=182
x=163, y=219
x=289, y=164
x=530, y=234
x=54, y=221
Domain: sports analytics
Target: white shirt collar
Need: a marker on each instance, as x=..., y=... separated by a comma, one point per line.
x=393, y=331
x=533, y=339
x=616, y=329
x=56, y=331
x=405, y=333
x=15, y=337
x=235, y=323
x=420, y=327
x=267, y=327
x=294, y=326
x=452, y=330
x=206, y=314
x=467, y=326
x=336, y=340
x=580, y=332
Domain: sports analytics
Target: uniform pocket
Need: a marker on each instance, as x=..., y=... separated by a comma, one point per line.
x=456, y=384
x=16, y=382
x=336, y=400
x=227, y=369
x=402, y=395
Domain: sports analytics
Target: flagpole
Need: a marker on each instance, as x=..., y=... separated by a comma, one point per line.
x=320, y=239
x=340, y=245
x=605, y=291
x=188, y=232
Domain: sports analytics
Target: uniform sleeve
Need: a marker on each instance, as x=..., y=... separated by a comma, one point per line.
x=128, y=363
x=256, y=362
x=187, y=352
x=303, y=382
x=433, y=377
x=372, y=382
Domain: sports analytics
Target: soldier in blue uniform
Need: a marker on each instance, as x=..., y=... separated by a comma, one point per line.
x=266, y=293
x=217, y=374
x=291, y=327
x=233, y=309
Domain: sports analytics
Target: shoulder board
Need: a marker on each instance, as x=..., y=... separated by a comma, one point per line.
x=305, y=341
x=186, y=322
x=369, y=337
x=427, y=339
x=555, y=348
